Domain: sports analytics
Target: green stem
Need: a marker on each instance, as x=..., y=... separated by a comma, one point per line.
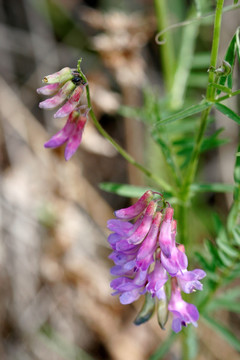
x=121, y=151
x=166, y=50
x=215, y=45
x=210, y=95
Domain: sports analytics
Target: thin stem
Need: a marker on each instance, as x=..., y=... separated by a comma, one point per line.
x=210, y=95
x=195, y=154
x=121, y=151
x=215, y=46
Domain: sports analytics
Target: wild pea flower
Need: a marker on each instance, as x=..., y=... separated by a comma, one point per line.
x=146, y=255
x=71, y=133
x=183, y=312
x=66, y=86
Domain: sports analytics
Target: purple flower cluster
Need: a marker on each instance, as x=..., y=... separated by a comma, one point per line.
x=66, y=86
x=146, y=255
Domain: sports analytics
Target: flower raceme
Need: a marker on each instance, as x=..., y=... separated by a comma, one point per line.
x=146, y=255
x=66, y=88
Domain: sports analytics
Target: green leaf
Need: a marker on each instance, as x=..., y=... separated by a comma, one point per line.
x=212, y=248
x=123, y=189
x=214, y=187
x=228, y=112
x=230, y=295
x=224, y=258
x=224, y=304
x=192, y=110
x=223, y=331
x=227, y=249
x=205, y=264
x=166, y=150
x=229, y=57
x=236, y=234
x=238, y=43
x=235, y=2
x=237, y=168
x=186, y=144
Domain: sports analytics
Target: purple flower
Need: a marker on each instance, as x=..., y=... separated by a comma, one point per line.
x=183, y=312
x=132, y=211
x=176, y=263
x=165, y=236
x=70, y=133
x=143, y=264
x=188, y=281
x=145, y=253
x=142, y=230
x=130, y=289
x=156, y=280
x=71, y=104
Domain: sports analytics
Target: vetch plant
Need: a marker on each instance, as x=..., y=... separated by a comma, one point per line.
x=148, y=251
x=145, y=252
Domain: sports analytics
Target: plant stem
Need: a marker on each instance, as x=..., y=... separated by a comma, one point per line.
x=215, y=46
x=210, y=95
x=121, y=151
x=166, y=50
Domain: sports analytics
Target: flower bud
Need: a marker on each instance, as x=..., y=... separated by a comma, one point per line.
x=132, y=211
x=59, y=77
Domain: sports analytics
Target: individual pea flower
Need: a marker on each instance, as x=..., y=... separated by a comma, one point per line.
x=146, y=255
x=183, y=312
x=71, y=133
x=188, y=281
x=59, y=98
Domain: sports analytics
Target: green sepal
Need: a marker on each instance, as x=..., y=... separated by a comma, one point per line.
x=162, y=312
x=147, y=310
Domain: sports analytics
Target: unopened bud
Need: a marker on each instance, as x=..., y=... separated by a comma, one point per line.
x=59, y=77
x=224, y=70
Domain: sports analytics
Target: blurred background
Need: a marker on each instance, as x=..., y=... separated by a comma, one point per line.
x=55, y=299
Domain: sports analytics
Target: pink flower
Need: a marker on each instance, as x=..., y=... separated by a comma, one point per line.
x=183, y=312
x=70, y=133
x=60, y=97
x=71, y=104
x=49, y=89
x=165, y=236
x=132, y=211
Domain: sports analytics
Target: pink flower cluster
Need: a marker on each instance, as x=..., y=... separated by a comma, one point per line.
x=66, y=88
x=146, y=255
